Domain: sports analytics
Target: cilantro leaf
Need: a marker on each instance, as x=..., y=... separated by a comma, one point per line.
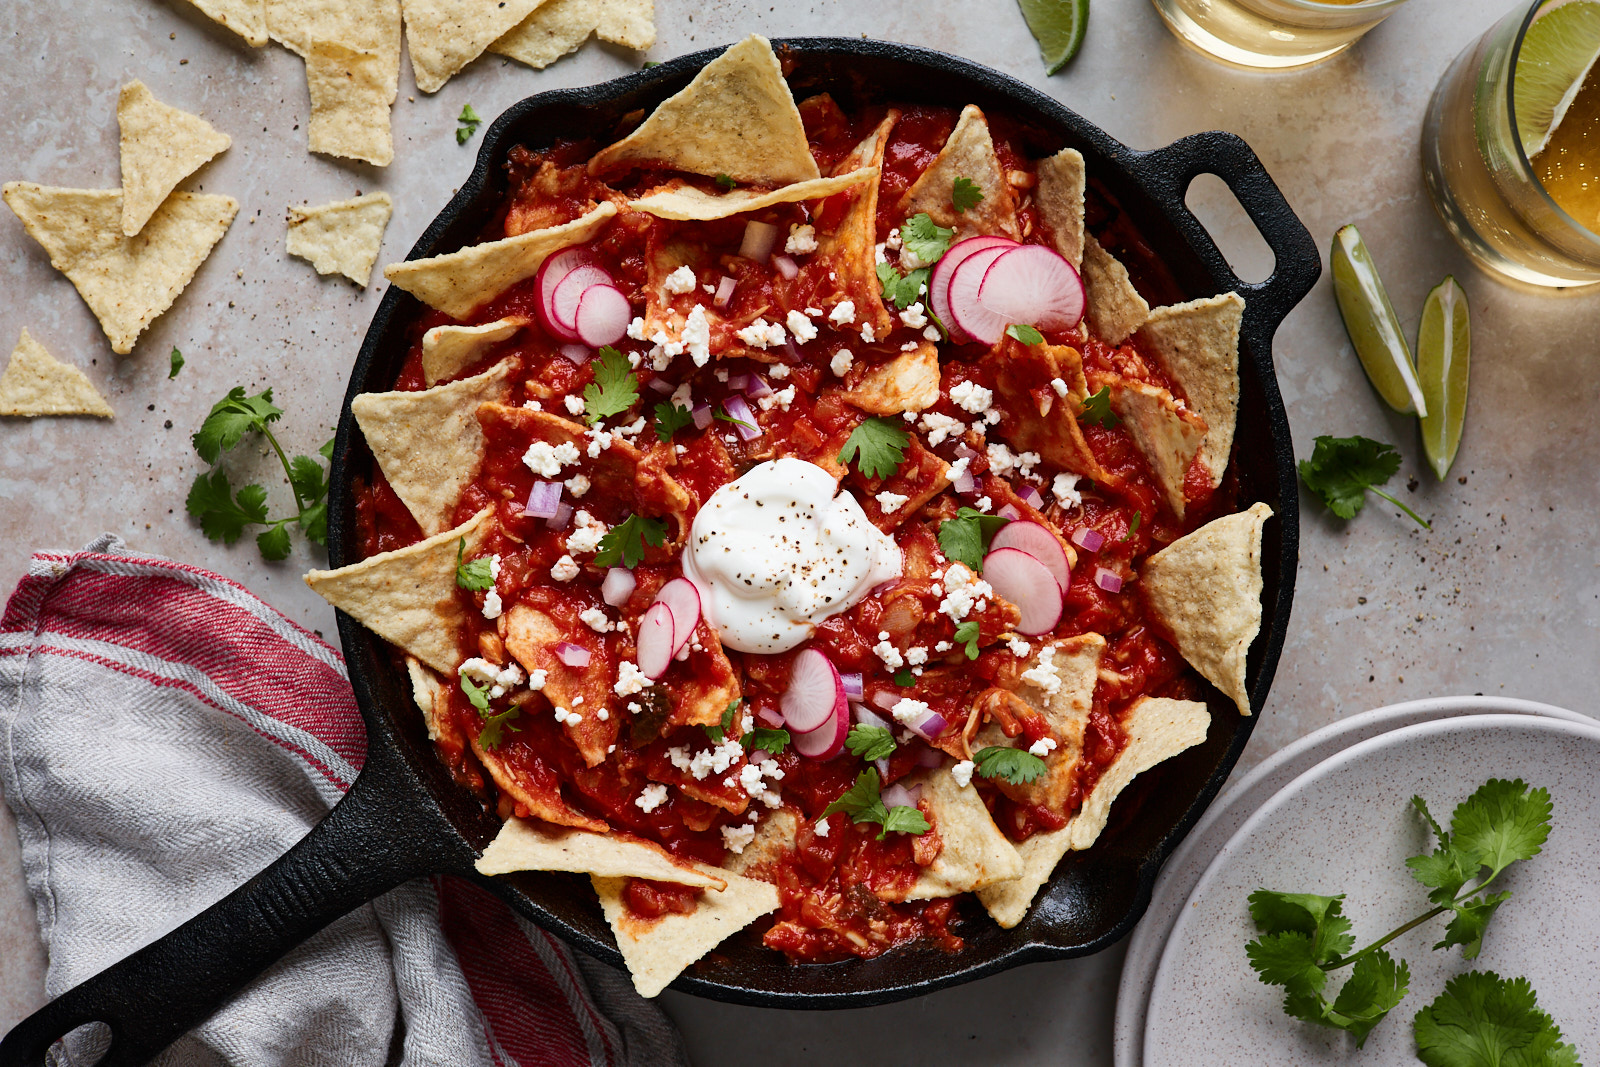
x=274, y=541
x=475, y=574
x=967, y=634
x=222, y=516
x=770, y=741
x=877, y=446
x=904, y=678
x=861, y=801
x=468, y=124
x=719, y=732
x=1468, y=923
x=231, y=418
x=477, y=695
x=1133, y=525
x=177, y=364
x=1320, y=918
x=870, y=742
x=326, y=451
x=1096, y=409
x=314, y=522
x=1501, y=823
x=1287, y=959
x=1483, y=1020
x=1377, y=984
x=1015, y=765
x=923, y=238
x=1021, y=331
x=726, y=181
x=902, y=291
x=615, y=388
x=965, y=195
x=1342, y=469
x=670, y=418
x=904, y=819
x=625, y=541
x=966, y=537
x=494, y=727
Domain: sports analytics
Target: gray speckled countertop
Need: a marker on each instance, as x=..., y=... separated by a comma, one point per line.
x=1501, y=598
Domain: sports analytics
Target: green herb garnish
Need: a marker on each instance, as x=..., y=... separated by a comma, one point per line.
x=725, y=181
x=870, y=742
x=966, y=537
x=719, y=732
x=769, y=741
x=863, y=804
x=967, y=634
x=177, y=364
x=468, y=122
x=920, y=236
x=1096, y=409
x=1014, y=765
x=1342, y=469
x=877, y=447
x=625, y=541
x=965, y=195
x=615, y=388
x=1021, y=331
x=1483, y=1020
x=474, y=574
x=670, y=418
x=902, y=291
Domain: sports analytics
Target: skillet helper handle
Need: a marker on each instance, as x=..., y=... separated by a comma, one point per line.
x=165, y=989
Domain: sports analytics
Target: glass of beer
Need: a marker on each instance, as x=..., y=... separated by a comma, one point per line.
x=1511, y=145
x=1272, y=34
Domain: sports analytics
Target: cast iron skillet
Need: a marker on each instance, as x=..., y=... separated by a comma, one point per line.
x=404, y=818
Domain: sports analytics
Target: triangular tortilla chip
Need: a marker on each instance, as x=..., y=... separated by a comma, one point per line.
x=774, y=840
x=428, y=442
x=526, y=845
x=449, y=350
x=161, y=146
x=1115, y=309
x=342, y=237
x=968, y=153
x=36, y=383
x=445, y=35
x=1205, y=589
x=630, y=23
x=408, y=596
x=126, y=281
x=686, y=203
x=657, y=950
x=351, y=90
x=1198, y=344
x=736, y=118
x=426, y=690
x=975, y=853
x=558, y=27
x=532, y=636
x=458, y=282
x=1168, y=436
x=908, y=382
x=370, y=25
x=1036, y=419
x=247, y=18
x=846, y=254
x=1157, y=729
x=1060, y=198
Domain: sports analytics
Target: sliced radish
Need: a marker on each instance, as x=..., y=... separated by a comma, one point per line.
x=1027, y=583
x=684, y=599
x=1033, y=284
x=655, y=641
x=939, y=283
x=569, y=290
x=602, y=316
x=1039, y=543
x=827, y=740
x=551, y=272
x=815, y=692
x=969, y=316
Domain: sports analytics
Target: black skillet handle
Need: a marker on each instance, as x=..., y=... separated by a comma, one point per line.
x=384, y=832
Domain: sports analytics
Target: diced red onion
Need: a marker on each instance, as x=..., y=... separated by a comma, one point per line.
x=578, y=354
x=1009, y=512
x=965, y=451
x=746, y=427
x=702, y=416
x=759, y=237
x=757, y=755
x=928, y=756
x=561, y=519
x=930, y=726
x=618, y=586
x=786, y=266
x=884, y=699
x=1030, y=496
x=769, y=717
x=575, y=656
x=543, y=500
x=794, y=350
x=725, y=290
x=867, y=717
x=756, y=388
x=852, y=685
x=737, y=383
x=883, y=772
x=661, y=385
x=883, y=587
x=1110, y=581
x=1088, y=538
x=897, y=795
x=965, y=483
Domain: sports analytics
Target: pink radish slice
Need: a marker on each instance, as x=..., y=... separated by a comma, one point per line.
x=684, y=599
x=1039, y=543
x=602, y=315
x=1027, y=583
x=655, y=641
x=551, y=272
x=815, y=692
x=1033, y=284
x=971, y=317
x=939, y=283
x=569, y=290
x=826, y=741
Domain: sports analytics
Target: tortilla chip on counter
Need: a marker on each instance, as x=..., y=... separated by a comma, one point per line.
x=247, y=18
x=369, y=25
x=526, y=845
x=161, y=146
x=1167, y=435
x=1198, y=344
x=428, y=442
x=126, y=281
x=686, y=203
x=445, y=35
x=968, y=153
x=449, y=350
x=1115, y=308
x=1059, y=195
x=658, y=950
x=351, y=91
x=36, y=383
x=975, y=853
x=735, y=118
x=342, y=237
x=458, y=282
x=426, y=689
x=908, y=382
x=1205, y=588
x=558, y=27
x=408, y=596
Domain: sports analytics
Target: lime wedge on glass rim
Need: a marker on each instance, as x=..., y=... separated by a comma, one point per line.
x=1058, y=26
x=1370, y=320
x=1557, y=52
x=1444, y=350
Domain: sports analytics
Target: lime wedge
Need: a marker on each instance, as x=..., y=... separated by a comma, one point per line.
x=1058, y=26
x=1444, y=350
x=1557, y=52
x=1370, y=320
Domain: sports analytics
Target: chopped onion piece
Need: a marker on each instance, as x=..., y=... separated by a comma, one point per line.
x=867, y=717
x=561, y=519
x=618, y=586
x=544, y=500
x=575, y=656
x=1088, y=538
x=928, y=756
x=930, y=726
x=884, y=699
x=576, y=354
x=883, y=774
x=747, y=427
x=661, y=385
x=758, y=755
x=759, y=237
x=786, y=266
x=1030, y=496
x=769, y=717
x=1107, y=580
x=737, y=383
x=852, y=685
x=964, y=484
x=897, y=795
x=1009, y=512
x=702, y=416
x=725, y=290
x=756, y=388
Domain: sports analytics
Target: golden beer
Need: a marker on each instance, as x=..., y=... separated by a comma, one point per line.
x=1272, y=34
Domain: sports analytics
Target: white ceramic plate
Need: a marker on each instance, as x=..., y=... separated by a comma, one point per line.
x=1346, y=826
x=1224, y=817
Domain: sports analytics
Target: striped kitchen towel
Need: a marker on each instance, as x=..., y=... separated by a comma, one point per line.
x=164, y=735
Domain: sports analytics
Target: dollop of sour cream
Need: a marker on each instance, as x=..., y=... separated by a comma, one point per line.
x=781, y=549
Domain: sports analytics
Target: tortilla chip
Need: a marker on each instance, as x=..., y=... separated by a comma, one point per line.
x=531, y=636
x=36, y=383
x=908, y=382
x=445, y=35
x=686, y=203
x=428, y=442
x=449, y=350
x=975, y=854
x=1035, y=418
x=1115, y=308
x=558, y=27
x=458, y=282
x=968, y=153
x=342, y=237
x=126, y=281
x=736, y=118
x=846, y=256
x=1205, y=589
x=775, y=837
x=1168, y=436
x=1060, y=198
x=630, y=23
x=408, y=596
x=426, y=689
x=351, y=90
x=369, y=25
x=526, y=845
x=658, y=950
x=247, y=18
x=1198, y=345
x=161, y=146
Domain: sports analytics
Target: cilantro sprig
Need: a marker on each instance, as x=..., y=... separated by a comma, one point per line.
x=719, y=732
x=902, y=290
x=767, y=740
x=965, y=195
x=967, y=634
x=1483, y=1020
x=176, y=364
x=1096, y=409
x=473, y=574
x=966, y=537
x=1021, y=331
x=1015, y=765
x=863, y=803
x=670, y=418
x=467, y=124
x=877, y=447
x=615, y=388
x=925, y=239
x=726, y=181
x=495, y=723
x=625, y=541
x=1342, y=470
x=870, y=742
x=223, y=513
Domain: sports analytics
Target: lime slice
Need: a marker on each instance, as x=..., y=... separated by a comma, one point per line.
x=1444, y=350
x=1557, y=52
x=1370, y=320
x=1058, y=26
